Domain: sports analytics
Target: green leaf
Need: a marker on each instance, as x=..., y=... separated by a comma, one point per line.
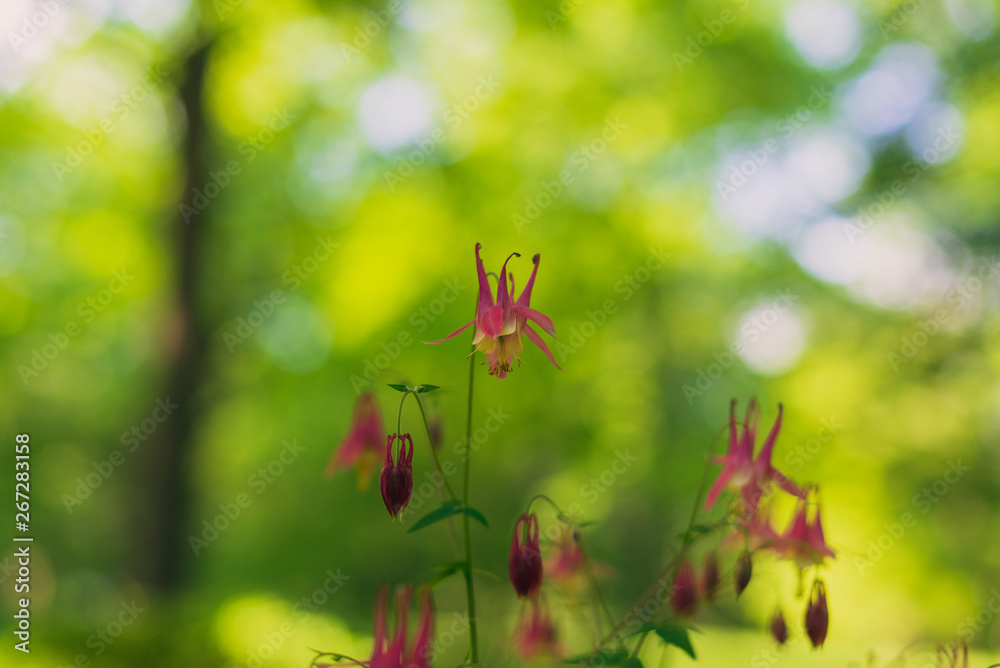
x=446, y=510
x=675, y=635
x=487, y=573
x=633, y=663
x=444, y=572
x=424, y=389
x=399, y=387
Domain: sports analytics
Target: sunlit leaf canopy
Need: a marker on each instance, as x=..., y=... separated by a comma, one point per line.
x=794, y=201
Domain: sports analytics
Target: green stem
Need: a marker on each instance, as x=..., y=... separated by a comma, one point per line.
x=437, y=463
x=469, y=586
x=665, y=574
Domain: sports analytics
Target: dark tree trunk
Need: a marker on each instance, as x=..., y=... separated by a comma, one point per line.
x=162, y=515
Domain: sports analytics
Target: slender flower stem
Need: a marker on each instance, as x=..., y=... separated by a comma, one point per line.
x=447, y=491
x=665, y=574
x=469, y=586
x=437, y=462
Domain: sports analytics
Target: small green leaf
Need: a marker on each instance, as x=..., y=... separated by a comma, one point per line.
x=399, y=387
x=444, y=572
x=424, y=389
x=444, y=511
x=677, y=636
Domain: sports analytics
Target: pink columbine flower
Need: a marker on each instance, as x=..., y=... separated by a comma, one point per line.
x=536, y=636
x=685, y=591
x=751, y=476
x=363, y=444
x=397, y=476
x=778, y=628
x=566, y=562
x=395, y=653
x=525, y=563
x=803, y=540
x=817, y=615
x=500, y=325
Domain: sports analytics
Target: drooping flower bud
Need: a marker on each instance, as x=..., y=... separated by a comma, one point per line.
x=396, y=482
x=744, y=569
x=778, y=628
x=685, y=594
x=710, y=576
x=817, y=615
x=525, y=564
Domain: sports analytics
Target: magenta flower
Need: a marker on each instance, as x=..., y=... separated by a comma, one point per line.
x=737, y=463
x=803, y=541
x=817, y=615
x=395, y=653
x=764, y=472
x=525, y=563
x=685, y=594
x=710, y=576
x=363, y=444
x=752, y=477
x=500, y=325
x=536, y=636
x=778, y=628
x=397, y=477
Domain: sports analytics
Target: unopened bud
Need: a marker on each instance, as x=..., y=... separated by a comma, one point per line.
x=817, y=615
x=744, y=569
x=778, y=628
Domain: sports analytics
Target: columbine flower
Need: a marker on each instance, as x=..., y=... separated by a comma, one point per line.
x=397, y=478
x=525, y=564
x=362, y=445
x=566, y=561
x=742, y=573
x=395, y=654
x=536, y=636
x=710, y=576
x=500, y=325
x=803, y=541
x=778, y=628
x=685, y=595
x=817, y=615
x=741, y=471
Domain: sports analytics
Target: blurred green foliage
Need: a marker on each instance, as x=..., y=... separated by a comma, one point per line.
x=332, y=246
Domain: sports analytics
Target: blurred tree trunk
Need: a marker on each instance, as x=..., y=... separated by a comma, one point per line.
x=164, y=487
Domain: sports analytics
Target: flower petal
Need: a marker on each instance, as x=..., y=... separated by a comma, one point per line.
x=537, y=340
x=717, y=487
x=453, y=334
x=543, y=320
x=525, y=297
